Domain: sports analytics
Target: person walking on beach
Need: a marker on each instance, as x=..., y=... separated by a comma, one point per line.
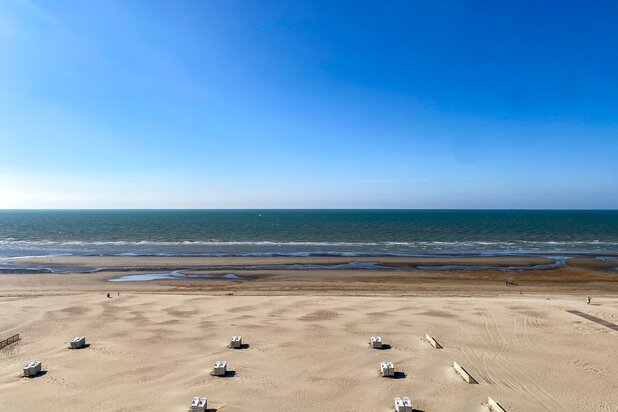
x=588, y=300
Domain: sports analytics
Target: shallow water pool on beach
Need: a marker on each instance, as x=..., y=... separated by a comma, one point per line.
x=173, y=275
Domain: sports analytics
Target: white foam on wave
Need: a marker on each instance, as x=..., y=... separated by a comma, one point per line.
x=12, y=258
x=12, y=242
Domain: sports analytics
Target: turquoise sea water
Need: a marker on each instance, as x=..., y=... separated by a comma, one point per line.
x=307, y=232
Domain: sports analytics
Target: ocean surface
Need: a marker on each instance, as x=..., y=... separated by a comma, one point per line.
x=307, y=233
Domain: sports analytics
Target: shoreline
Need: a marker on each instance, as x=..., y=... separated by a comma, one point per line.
x=114, y=261
x=323, y=275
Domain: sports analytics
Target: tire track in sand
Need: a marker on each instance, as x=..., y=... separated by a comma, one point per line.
x=496, y=369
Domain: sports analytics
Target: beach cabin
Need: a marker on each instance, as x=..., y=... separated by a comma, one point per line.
x=387, y=369
x=236, y=342
x=199, y=404
x=403, y=405
x=220, y=368
x=32, y=368
x=376, y=342
x=78, y=342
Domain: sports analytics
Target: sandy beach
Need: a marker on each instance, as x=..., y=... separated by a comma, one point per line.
x=309, y=176
x=152, y=346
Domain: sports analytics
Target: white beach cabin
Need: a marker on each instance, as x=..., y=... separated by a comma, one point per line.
x=78, y=342
x=403, y=404
x=220, y=368
x=236, y=342
x=387, y=369
x=199, y=404
x=32, y=368
x=376, y=342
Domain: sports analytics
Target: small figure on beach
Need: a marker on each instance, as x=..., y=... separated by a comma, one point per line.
x=108, y=295
x=588, y=300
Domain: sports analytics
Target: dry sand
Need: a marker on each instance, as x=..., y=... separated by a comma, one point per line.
x=152, y=348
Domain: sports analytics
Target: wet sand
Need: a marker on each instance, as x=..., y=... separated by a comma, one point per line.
x=202, y=261
x=400, y=276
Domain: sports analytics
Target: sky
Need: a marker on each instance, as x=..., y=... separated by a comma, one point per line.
x=319, y=104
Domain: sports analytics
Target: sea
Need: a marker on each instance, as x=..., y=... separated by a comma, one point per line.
x=308, y=233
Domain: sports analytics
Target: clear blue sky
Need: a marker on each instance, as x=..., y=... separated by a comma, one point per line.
x=448, y=104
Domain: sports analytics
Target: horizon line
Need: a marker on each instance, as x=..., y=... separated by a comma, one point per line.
x=306, y=209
